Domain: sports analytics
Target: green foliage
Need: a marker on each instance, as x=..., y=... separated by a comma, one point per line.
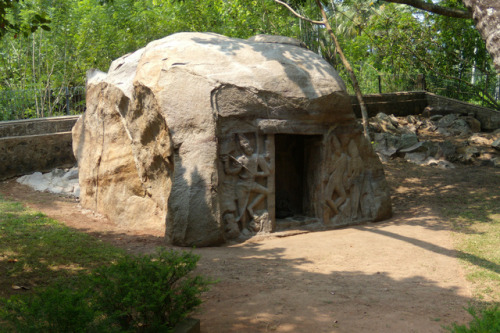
x=476, y=222
x=91, y=33
x=398, y=42
x=378, y=38
x=58, y=308
x=147, y=293
x=36, y=251
x=16, y=16
x=485, y=320
x=135, y=294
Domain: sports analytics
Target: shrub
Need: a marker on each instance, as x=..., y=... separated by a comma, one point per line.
x=486, y=321
x=136, y=294
x=57, y=308
x=149, y=294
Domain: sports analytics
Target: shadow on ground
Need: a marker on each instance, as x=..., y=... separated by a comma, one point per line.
x=264, y=289
x=399, y=275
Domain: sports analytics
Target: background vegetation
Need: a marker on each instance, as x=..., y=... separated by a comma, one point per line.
x=386, y=43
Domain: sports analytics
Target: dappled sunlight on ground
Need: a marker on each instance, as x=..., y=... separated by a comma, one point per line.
x=398, y=275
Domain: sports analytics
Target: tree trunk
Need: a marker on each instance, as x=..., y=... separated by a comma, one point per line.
x=486, y=14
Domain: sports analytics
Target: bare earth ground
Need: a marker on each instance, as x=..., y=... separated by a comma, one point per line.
x=399, y=275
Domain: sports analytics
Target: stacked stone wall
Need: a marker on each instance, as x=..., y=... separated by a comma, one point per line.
x=33, y=145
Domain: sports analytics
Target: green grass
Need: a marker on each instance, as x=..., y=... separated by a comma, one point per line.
x=55, y=279
x=484, y=320
x=476, y=225
x=35, y=250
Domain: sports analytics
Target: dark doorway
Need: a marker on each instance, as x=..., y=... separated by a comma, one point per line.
x=296, y=165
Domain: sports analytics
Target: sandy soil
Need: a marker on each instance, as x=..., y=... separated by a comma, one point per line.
x=399, y=275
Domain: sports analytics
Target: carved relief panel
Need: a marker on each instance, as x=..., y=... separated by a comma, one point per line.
x=246, y=185
x=348, y=192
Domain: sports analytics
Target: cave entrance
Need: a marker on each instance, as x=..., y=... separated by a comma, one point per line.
x=297, y=165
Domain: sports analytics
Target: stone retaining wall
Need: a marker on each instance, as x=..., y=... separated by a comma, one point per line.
x=399, y=104
x=490, y=119
x=33, y=145
x=37, y=126
x=412, y=103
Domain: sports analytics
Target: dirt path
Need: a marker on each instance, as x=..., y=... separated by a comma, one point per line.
x=399, y=275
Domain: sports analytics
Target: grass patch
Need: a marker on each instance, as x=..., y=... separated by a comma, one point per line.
x=35, y=250
x=55, y=279
x=476, y=226
x=484, y=320
x=135, y=294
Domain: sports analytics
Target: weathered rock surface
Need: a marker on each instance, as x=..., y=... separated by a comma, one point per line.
x=123, y=151
x=195, y=132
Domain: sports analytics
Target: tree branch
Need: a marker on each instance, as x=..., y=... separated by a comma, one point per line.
x=432, y=8
x=347, y=65
x=297, y=14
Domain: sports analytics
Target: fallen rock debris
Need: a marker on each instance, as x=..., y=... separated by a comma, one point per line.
x=440, y=141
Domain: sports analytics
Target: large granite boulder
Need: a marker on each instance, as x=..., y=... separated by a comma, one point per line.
x=217, y=138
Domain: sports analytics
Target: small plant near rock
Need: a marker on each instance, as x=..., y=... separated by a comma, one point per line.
x=135, y=294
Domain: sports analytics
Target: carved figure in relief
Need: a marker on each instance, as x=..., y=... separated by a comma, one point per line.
x=248, y=167
x=337, y=179
x=367, y=197
x=355, y=175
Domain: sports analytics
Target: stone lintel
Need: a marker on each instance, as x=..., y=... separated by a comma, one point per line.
x=277, y=126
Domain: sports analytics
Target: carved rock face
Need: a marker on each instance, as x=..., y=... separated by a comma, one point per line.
x=215, y=138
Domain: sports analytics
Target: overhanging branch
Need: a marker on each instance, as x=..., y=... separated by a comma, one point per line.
x=436, y=9
x=347, y=65
x=297, y=14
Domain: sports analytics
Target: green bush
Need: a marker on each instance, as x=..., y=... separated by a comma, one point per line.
x=147, y=294
x=61, y=307
x=136, y=294
x=486, y=320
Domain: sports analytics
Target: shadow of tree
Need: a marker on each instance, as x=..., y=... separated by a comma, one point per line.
x=286, y=292
x=34, y=249
x=462, y=195
x=296, y=62
x=472, y=259
x=327, y=282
